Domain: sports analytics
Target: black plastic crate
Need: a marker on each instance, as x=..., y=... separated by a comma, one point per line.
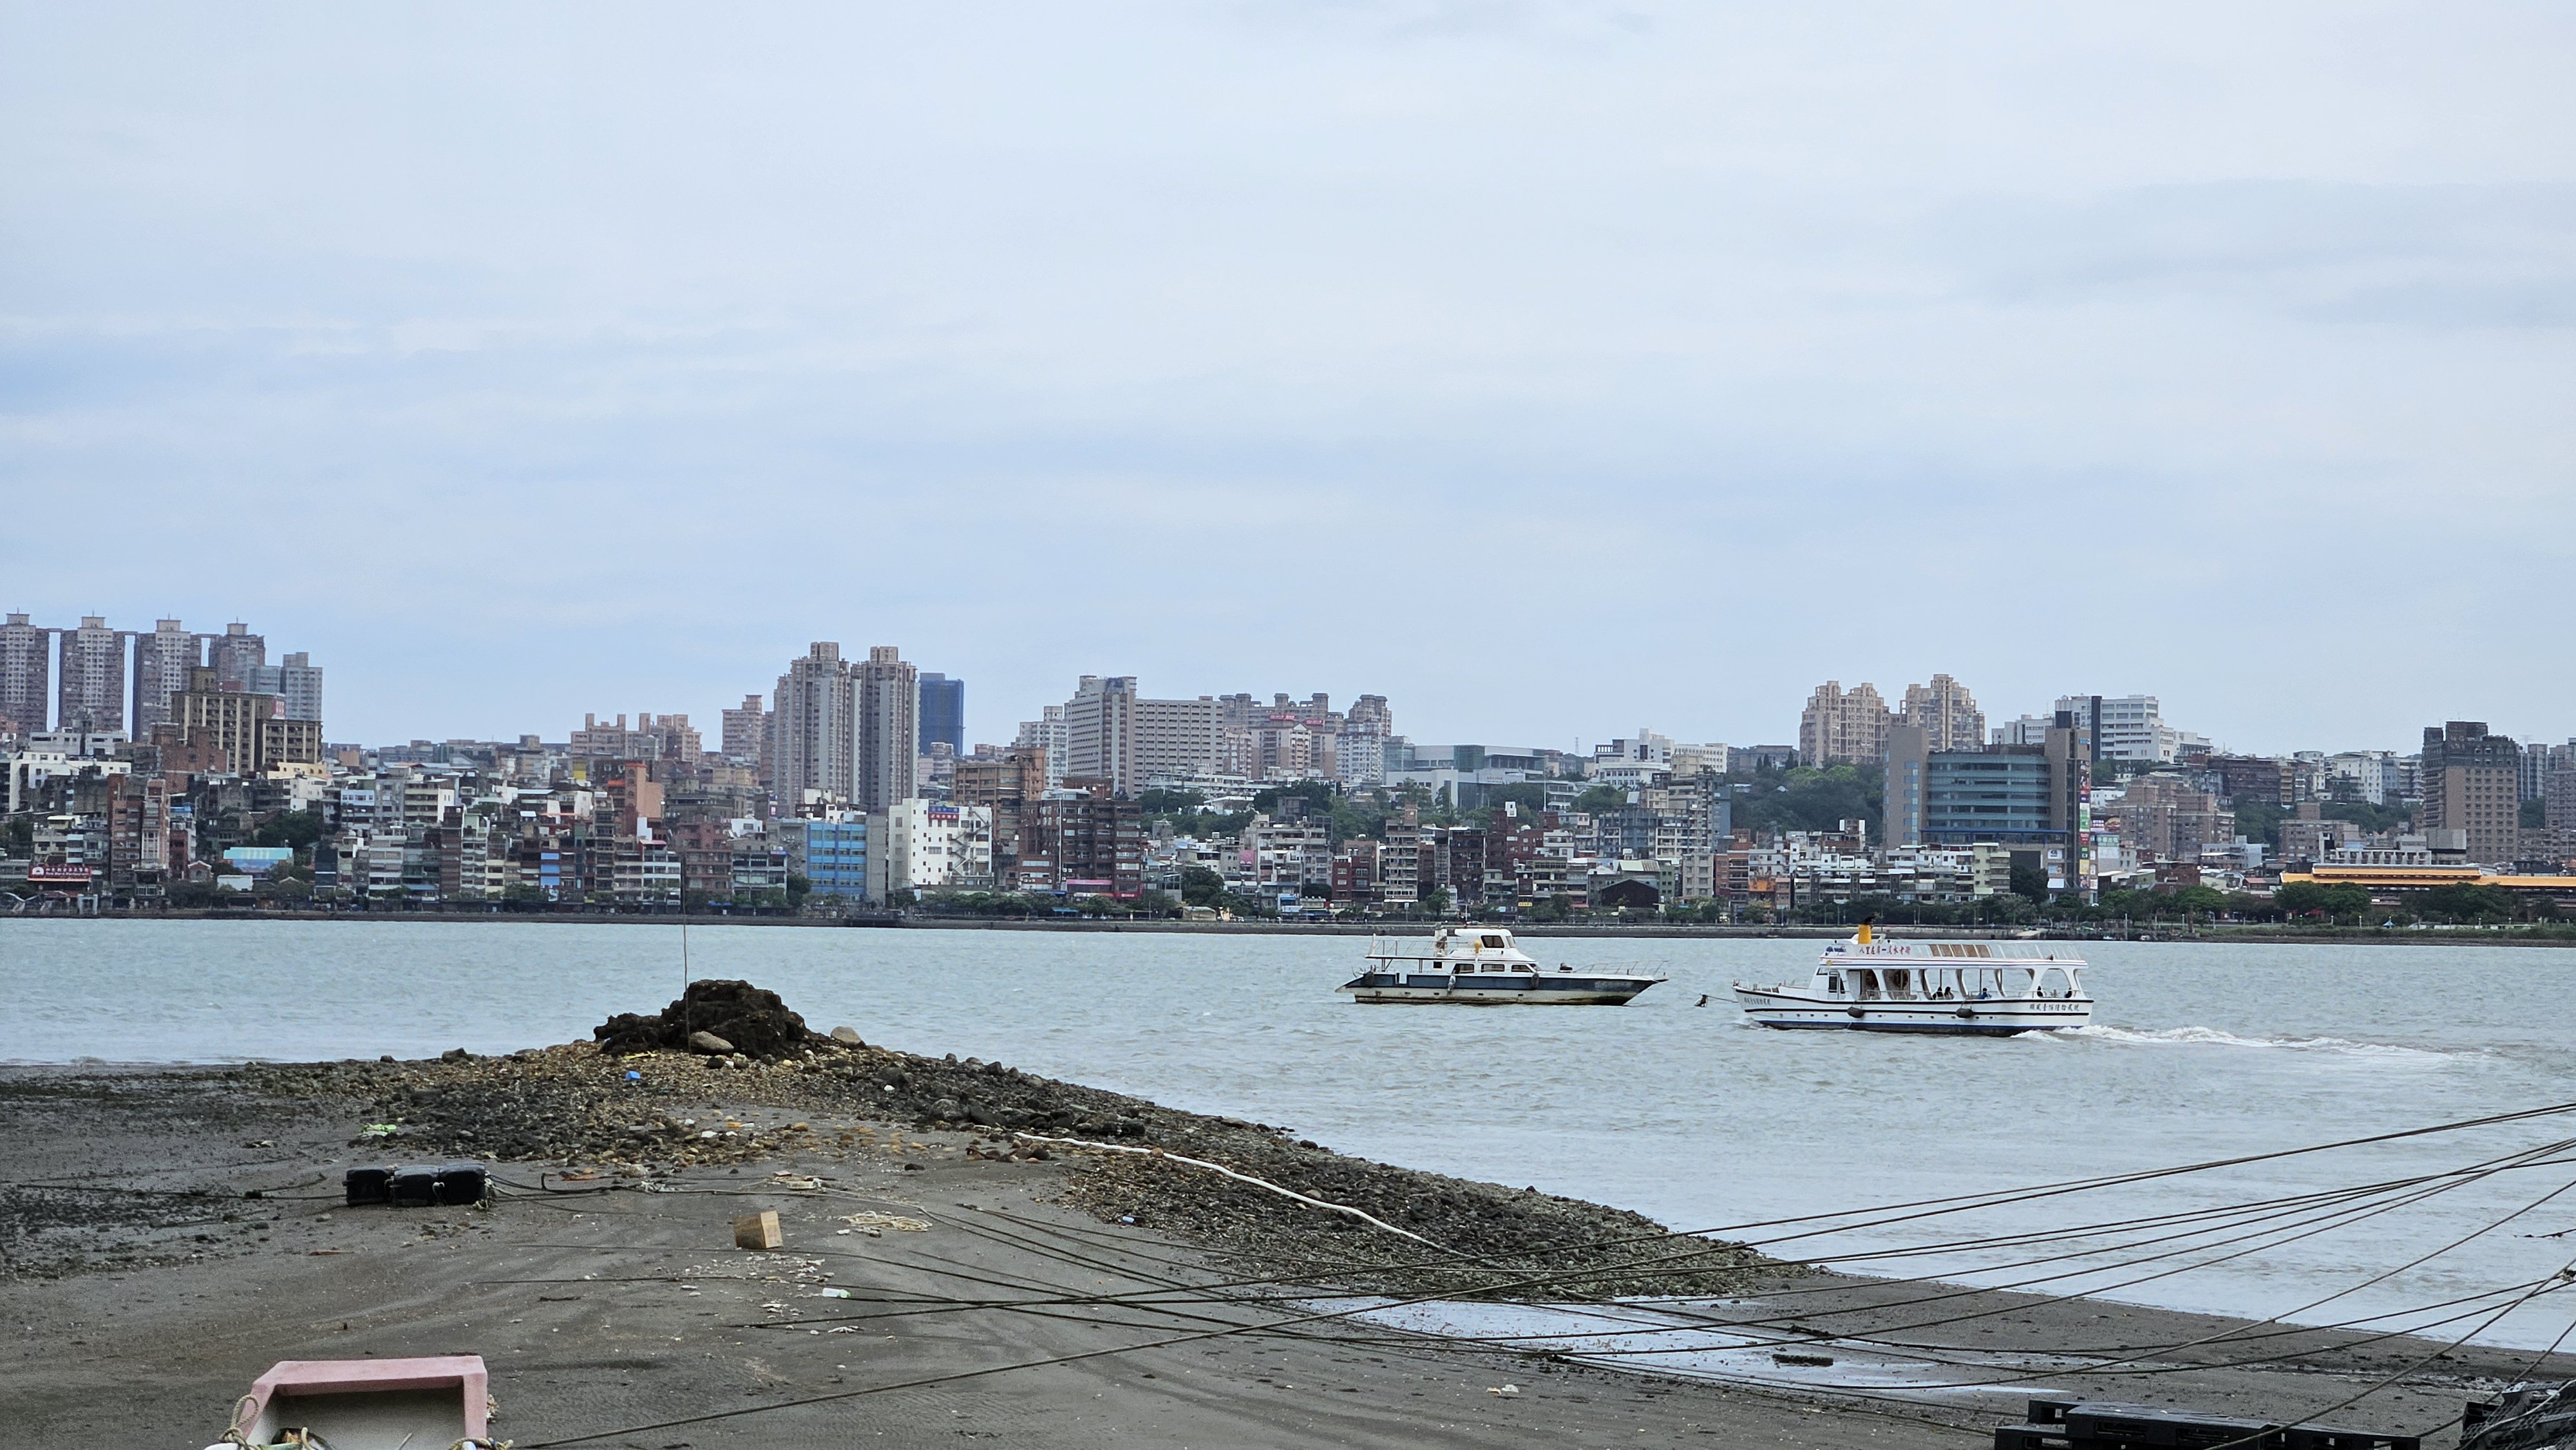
x=463, y=1183
x=415, y=1187
x=2108, y=1424
x=2032, y=1437
x=365, y=1186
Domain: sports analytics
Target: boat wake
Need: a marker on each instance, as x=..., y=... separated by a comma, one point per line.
x=2213, y=1037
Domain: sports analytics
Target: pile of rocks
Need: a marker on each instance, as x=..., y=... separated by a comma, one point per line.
x=721, y=1017
x=623, y=1101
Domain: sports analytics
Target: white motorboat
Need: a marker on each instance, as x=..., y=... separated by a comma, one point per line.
x=1989, y=988
x=1483, y=966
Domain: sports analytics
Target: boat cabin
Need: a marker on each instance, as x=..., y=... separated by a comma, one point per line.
x=1957, y=981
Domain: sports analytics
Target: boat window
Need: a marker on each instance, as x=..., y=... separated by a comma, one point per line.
x=1834, y=983
x=1494, y=941
x=2012, y=982
x=2053, y=983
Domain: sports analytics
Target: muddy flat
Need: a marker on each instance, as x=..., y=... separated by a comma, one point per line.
x=940, y=1286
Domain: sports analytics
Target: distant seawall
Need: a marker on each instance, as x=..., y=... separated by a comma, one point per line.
x=1679, y=931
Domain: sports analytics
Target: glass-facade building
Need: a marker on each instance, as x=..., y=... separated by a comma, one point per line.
x=832, y=856
x=943, y=713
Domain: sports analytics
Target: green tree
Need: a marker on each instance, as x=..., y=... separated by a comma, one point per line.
x=1201, y=886
x=1596, y=799
x=2373, y=820
x=1808, y=799
x=2465, y=902
x=797, y=890
x=2031, y=884
x=2260, y=820
x=2200, y=900
x=299, y=829
x=1436, y=900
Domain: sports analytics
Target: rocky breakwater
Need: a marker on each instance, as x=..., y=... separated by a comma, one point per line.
x=630, y=1102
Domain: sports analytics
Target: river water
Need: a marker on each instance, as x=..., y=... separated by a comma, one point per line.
x=1674, y=1109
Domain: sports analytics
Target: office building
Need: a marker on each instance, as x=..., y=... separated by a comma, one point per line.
x=1841, y=727
x=162, y=660
x=1946, y=713
x=830, y=853
x=888, y=698
x=236, y=652
x=90, y=675
x=813, y=729
x=2473, y=785
x=26, y=675
x=943, y=713
x=2007, y=794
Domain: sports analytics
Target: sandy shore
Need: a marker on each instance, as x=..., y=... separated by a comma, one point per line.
x=145, y=1290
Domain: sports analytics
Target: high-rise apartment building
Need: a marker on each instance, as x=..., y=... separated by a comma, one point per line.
x=2125, y=727
x=2559, y=800
x=91, y=676
x=26, y=674
x=2473, y=785
x=248, y=727
x=943, y=713
x=1177, y=738
x=888, y=696
x=236, y=652
x=746, y=734
x=296, y=682
x=1004, y=783
x=1946, y=713
x=1841, y=727
x=813, y=728
x=1100, y=733
x=162, y=660
x=1046, y=734
x=1360, y=753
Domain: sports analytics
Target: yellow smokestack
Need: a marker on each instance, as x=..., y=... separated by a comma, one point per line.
x=1864, y=932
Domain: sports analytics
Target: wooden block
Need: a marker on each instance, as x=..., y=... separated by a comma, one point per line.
x=757, y=1231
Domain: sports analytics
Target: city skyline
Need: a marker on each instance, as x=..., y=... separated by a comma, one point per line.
x=1974, y=718
x=1720, y=345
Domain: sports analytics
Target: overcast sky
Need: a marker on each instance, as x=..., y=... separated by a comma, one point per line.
x=1551, y=370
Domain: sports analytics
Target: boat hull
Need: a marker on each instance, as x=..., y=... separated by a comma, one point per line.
x=1998, y=1018
x=1573, y=992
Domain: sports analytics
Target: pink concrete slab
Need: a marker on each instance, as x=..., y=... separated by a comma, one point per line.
x=291, y=1378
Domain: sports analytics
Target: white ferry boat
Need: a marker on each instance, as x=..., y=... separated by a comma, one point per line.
x=1483, y=966
x=1929, y=986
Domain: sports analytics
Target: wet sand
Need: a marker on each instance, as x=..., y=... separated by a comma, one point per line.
x=144, y=1300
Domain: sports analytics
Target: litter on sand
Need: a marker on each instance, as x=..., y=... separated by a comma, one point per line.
x=875, y=1225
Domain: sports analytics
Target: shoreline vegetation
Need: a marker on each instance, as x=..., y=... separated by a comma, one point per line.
x=2559, y=934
